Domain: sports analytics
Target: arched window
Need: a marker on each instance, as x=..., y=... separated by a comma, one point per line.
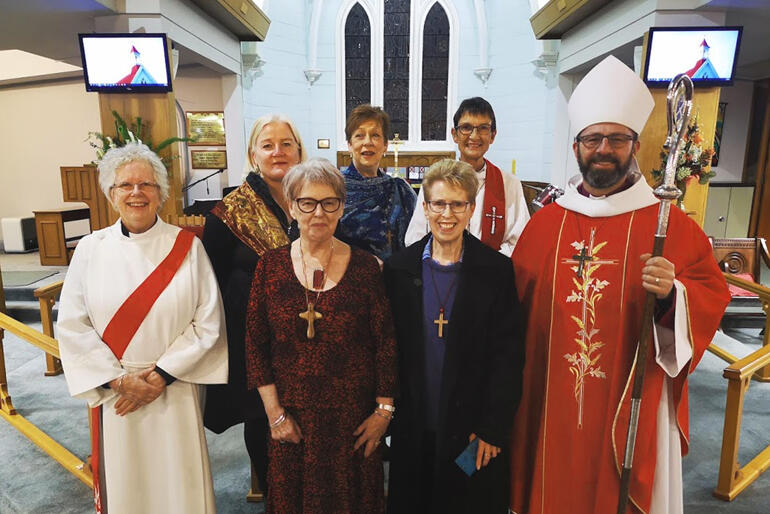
x=395, y=73
x=435, y=74
x=409, y=66
x=358, y=59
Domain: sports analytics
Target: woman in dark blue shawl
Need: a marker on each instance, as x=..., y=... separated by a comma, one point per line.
x=378, y=207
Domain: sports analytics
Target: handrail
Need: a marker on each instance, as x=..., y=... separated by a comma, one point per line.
x=46, y=343
x=49, y=291
x=747, y=366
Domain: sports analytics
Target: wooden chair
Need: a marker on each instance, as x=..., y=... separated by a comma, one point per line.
x=740, y=260
x=741, y=256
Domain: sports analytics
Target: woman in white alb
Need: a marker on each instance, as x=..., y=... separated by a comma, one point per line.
x=140, y=328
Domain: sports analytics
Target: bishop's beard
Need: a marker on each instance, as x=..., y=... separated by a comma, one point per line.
x=603, y=179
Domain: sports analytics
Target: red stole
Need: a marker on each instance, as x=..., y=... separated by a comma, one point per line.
x=493, y=213
x=124, y=324
x=570, y=428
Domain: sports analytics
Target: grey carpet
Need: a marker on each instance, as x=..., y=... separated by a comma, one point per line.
x=24, y=278
x=31, y=482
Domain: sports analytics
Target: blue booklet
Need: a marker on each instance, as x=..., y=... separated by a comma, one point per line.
x=467, y=459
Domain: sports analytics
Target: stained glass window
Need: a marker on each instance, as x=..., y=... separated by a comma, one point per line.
x=435, y=74
x=396, y=66
x=358, y=68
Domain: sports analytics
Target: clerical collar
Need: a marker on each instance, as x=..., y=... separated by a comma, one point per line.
x=427, y=252
x=125, y=231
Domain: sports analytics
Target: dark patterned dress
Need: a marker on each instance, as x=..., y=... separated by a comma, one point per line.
x=328, y=383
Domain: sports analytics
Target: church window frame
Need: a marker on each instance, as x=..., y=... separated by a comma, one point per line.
x=419, y=10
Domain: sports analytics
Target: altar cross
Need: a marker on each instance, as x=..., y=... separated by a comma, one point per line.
x=494, y=217
x=310, y=315
x=441, y=322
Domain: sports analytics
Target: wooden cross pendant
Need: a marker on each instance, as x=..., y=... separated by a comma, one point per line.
x=494, y=217
x=581, y=259
x=310, y=315
x=440, y=322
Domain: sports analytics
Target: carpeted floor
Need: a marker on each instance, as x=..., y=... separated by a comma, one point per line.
x=24, y=278
x=31, y=482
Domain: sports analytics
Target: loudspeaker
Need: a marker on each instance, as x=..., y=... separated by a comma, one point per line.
x=19, y=235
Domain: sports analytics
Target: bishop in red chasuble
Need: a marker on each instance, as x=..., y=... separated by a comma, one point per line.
x=582, y=271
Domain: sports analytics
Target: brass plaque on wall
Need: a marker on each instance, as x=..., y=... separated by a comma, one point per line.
x=208, y=159
x=208, y=128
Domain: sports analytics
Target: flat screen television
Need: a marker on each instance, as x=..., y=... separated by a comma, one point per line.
x=707, y=54
x=125, y=63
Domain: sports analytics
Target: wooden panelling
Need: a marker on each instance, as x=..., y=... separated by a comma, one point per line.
x=705, y=105
x=158, y=111
x=81, y=184
x=404, y=158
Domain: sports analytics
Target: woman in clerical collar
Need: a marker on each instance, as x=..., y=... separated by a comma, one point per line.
x=460, y=359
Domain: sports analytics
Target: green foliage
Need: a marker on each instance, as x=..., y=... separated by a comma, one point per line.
x=125, y=133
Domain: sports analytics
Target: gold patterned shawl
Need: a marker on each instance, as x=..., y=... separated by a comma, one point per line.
x=247, y=216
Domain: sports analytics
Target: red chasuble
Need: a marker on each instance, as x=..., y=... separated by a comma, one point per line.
x=580, y=280
x=493, y=215
x=124, y=324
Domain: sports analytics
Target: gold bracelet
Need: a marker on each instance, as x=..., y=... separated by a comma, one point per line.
x=120, y=384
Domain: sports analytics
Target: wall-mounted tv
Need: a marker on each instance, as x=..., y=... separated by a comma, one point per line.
x=125, y=63
x=707, y=54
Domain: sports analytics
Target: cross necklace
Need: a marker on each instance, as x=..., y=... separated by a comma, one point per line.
x=319, y=280
x=441, y=321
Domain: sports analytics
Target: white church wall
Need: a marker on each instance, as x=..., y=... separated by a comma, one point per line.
x=735, y=131
x=522, y=100
x=47, y=128
x=279, y=85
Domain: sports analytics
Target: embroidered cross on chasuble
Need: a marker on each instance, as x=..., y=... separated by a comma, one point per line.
x=586, y=293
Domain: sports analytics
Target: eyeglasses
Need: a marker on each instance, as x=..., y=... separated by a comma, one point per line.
x=467, y=129
x=128, y=188
x=438, y=206
x=308, y=205
x=616, y=141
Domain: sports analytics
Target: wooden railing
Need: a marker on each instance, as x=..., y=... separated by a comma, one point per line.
x=762, y=374
x=45, y=341
x=732, y=478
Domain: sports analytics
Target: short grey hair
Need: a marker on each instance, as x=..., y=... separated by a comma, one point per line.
x=256, y=130
x=455, y=173
x=120, y=156
x=314, y=171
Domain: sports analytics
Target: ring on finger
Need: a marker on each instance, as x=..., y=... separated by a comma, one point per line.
x=657, y=280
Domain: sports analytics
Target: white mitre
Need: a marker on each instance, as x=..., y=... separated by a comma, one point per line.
x=610, y=93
